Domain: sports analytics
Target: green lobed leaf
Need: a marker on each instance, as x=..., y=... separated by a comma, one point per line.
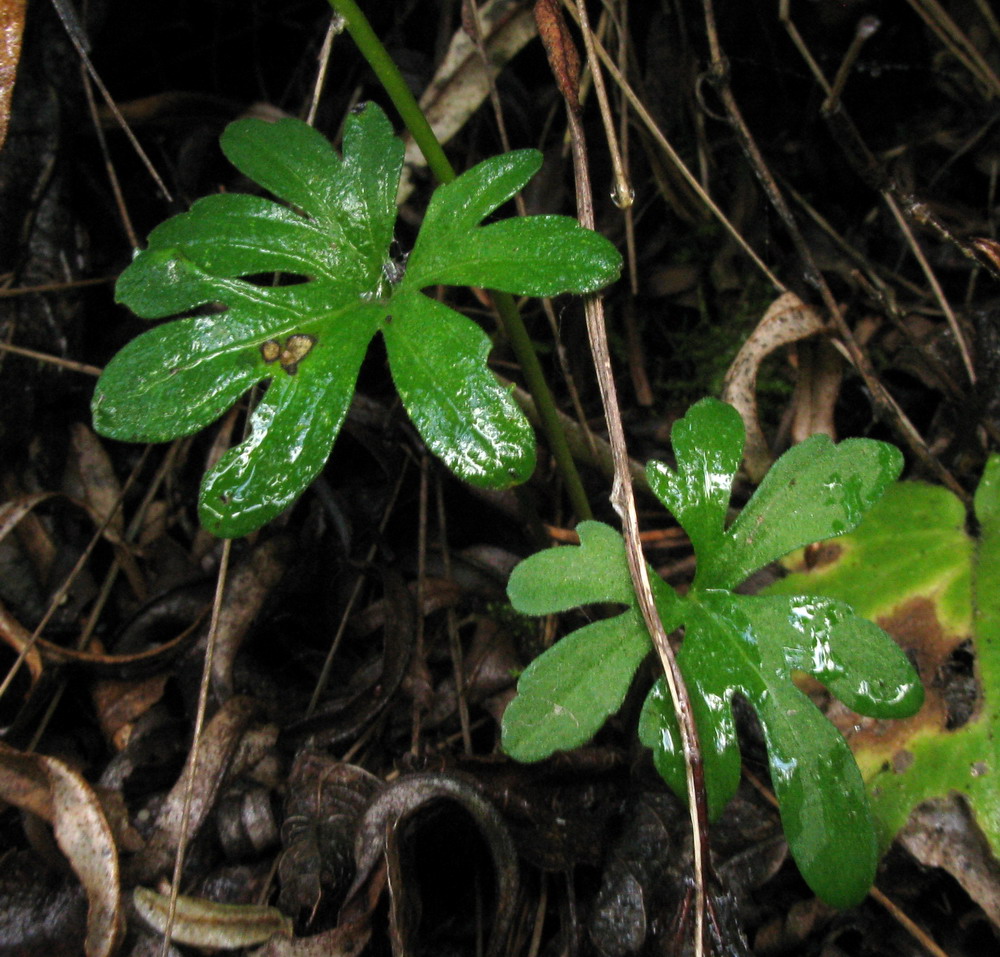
x=306, y=340
x=291, y=432
x=170, y=382
x=708, y=445
x=734, y=644
x=565, y=695
x=912, y=542
x=816, y=490
x=535, y=255
x=738, y=644
x=353, y=199
x=467, y=419
x=181, y=376
x=233, y=235
x=559, y=579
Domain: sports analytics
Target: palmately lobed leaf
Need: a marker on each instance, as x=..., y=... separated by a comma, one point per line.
x=748, y=645
x=743, y=645
x=467, y=419
x=913, y=563
x=331, y=232
x=533, y=256
x=566, y=695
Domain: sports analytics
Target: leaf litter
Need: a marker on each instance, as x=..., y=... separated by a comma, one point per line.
x=575, y=805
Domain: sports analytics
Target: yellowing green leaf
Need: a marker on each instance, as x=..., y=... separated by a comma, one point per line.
x=912, y=566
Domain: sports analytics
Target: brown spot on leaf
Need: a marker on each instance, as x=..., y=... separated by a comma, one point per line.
x=297, y=347
x=270, y=350
x=821, y=553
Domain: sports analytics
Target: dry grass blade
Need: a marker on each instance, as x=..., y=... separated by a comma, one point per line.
x=462, y=82
x=955, y=39
x=11, y=514
x=51, y=360
x=675, y=158
x=11, y=30
x=622, y=497
x=199, y=723
x=885, y=404
x=77, y=36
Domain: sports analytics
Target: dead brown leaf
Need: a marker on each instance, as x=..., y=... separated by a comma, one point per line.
x=54, y=792
x=219, y=743
x=208, y=924
x=787, y=320
x=461, y=82
x=248, y=587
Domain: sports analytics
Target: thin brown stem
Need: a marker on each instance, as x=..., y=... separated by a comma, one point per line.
x=884, y=403
x=562, y=57
x=199, y=724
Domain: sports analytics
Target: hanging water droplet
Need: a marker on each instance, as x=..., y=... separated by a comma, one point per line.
x=622, y=195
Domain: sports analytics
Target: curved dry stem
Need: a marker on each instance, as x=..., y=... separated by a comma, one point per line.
x=199, y=724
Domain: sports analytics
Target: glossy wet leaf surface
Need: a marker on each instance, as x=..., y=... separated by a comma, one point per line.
x=303, y=343
x=913, y=565
x=733, y=644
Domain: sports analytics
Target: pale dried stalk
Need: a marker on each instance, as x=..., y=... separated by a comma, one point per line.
x=199, y=723
x=660, y=137
x=623, y=500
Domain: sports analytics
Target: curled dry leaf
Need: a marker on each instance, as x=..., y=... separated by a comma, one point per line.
x=92, y=478
x=246, y=822
x=787, y=320
x=120, y=700
x=93, y=474
x=204, y=923
x=33, y=536
x=14, y=511
x=18, y=638
x=380, y=835
x=817, y=386
x=341, y=721
x=640, y=883
x=489, y=670
x=49, y=789
x=218, y=745
x=942, y=833
x=125, y=666
x=326, y=799
x=120, y=703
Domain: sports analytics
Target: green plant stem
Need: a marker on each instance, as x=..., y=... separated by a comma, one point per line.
x=409, y=110
x=392, y=81
x=548, y=414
